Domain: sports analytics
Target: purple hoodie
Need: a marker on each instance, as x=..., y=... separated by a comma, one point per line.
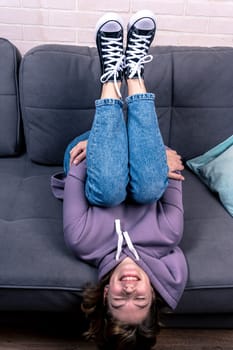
x=149, y=234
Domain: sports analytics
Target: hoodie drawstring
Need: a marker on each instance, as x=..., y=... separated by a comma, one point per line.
x=121, y=237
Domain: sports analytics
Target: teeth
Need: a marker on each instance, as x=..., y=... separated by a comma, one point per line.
x=129, y=279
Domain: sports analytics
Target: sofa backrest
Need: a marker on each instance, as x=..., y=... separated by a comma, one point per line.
x=11, y=128
x=58, y=87
x=200, y=111
x=193, y=88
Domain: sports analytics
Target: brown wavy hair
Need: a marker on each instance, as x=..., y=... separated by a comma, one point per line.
x=109, y=333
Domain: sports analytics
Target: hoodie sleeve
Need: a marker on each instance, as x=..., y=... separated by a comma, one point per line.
x=75, y=204
x=171, y=211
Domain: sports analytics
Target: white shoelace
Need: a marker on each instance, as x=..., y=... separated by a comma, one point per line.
x=114, y=60
x=137, y=52
x=121, y=236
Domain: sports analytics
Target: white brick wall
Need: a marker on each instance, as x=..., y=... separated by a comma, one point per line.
x=28, y=23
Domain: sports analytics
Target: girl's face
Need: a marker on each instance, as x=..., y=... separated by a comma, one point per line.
x=129, y=293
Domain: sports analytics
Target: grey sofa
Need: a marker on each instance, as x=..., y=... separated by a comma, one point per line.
x=46, y=99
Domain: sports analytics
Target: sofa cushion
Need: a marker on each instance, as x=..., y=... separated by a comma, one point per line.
x=215, y=169
x=10, y=126
x=202, y=109
x=58, y=88
x=207, y=243
x=34, y=256
x=41, y=273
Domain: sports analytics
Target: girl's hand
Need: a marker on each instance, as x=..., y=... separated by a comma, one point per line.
x=175, y=164
x=78, y=153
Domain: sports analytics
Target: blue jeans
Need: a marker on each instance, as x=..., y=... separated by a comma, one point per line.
x=124, y=159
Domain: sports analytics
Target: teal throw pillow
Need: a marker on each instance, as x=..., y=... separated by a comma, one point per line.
x=215, y=169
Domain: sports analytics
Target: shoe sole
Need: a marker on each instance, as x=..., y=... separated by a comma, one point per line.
x=140, y=15
x=108, y=17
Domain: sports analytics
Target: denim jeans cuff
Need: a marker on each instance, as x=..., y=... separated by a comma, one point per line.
x=145, y=96
x=108, y=101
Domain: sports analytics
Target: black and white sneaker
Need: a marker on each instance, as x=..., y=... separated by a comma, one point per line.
x=109, y=41
x=141, y=32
